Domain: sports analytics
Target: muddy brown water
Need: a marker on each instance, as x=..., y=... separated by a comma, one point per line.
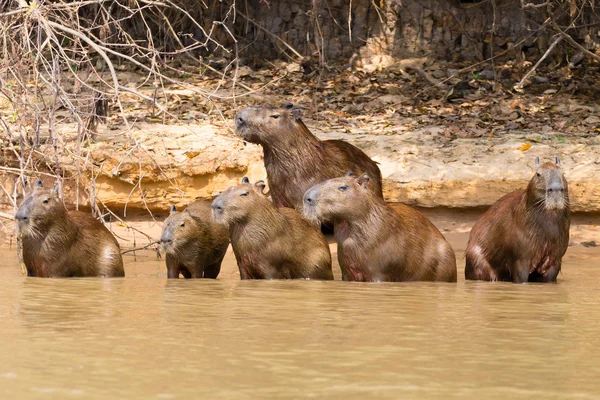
x=144, y=337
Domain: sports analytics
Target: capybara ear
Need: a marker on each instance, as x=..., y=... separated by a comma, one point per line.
x=537, y=162
x=173, y=209
x=287, y=106
x=349, y=173
x=363, y=180
x=38, y=184
x=296, y=112
x=245, y=180
x=260, y=185
x=557, y=160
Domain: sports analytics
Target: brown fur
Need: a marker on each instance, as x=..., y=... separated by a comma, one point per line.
x=523, y=236
x=61, y=243
x=295, y=159
x=195, y=245
x=375, y=242
x=270, y=242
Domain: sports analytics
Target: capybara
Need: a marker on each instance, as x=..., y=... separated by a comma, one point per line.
x=270, y=242
x=375, y=242
x=61, y=243
x=194, y=244
x=523, y=236
x=295, y=159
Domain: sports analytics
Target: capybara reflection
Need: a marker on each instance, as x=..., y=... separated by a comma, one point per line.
x=61, y=243
x=295, y=159
x=194, y=244
x=270, y=242
x=375, y=242
x=523, y=236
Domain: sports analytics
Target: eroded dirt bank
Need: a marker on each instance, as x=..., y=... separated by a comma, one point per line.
x=173, y=164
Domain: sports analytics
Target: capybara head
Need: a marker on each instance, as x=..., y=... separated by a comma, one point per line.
x=338, y=198
x=263, y=124
x=236, y=203
x=39, y=211
x=177, y=230
x=549, y=186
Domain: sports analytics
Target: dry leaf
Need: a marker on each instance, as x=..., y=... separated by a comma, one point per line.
x=525, y=147
x=191, y=154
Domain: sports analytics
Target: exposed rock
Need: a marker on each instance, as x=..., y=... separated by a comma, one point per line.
x=487, y=74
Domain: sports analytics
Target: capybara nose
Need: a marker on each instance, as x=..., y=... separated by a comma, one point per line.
x=164, y=240
x=217, y=205
x=555, y=188
x=241, y=117
x=311, y=195
x=21, y=217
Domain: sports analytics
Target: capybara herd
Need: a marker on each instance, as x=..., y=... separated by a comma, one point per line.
x=277, y=235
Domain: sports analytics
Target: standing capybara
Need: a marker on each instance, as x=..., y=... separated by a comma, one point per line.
x=194, y=243
x=271, y=242
x=375, y=242
x=61, y=243
x=295, y=159
x=523, y=236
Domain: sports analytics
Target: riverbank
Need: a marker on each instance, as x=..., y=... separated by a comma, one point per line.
x=176, y=163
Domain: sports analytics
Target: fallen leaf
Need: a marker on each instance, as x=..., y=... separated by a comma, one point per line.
x=592, y=120
x=191, y=154
x=525, y=147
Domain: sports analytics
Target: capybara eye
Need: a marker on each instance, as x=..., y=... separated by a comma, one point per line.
x=275, y=116
x=244, y=194
x=46, y=201
x=343, y=188
x=538, y=174
x=182, y=224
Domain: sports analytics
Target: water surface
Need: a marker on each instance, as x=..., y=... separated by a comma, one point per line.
x=144, y=337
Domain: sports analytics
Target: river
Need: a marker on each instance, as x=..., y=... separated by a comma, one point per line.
x=146, y=337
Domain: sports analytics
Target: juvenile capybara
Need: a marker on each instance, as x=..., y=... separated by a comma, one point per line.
x=375, y=242
x=523, y=236
x=295, y=159
x=61, y=243
x=270, y=242
x=194, y=244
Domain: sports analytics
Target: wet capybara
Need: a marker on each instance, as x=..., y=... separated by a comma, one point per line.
x=523, y=236
x=270, y=242
x=194, y=244
x=61, y=243
x=295, y=159
x=375, y=242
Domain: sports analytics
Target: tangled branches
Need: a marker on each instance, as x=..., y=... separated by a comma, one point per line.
x=63, y=63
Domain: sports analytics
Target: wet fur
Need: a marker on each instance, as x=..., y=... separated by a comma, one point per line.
x=61, y=243
x=197, y=248
x=377, y=243
x=518, y=239
x=270, y=242
x=295, y=159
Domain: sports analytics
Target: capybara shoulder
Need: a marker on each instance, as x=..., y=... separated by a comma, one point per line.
x=194, y=244
x=270, y=242
x=61, y=243
x=524, y=235
x=295, y=159
x=376, y=242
